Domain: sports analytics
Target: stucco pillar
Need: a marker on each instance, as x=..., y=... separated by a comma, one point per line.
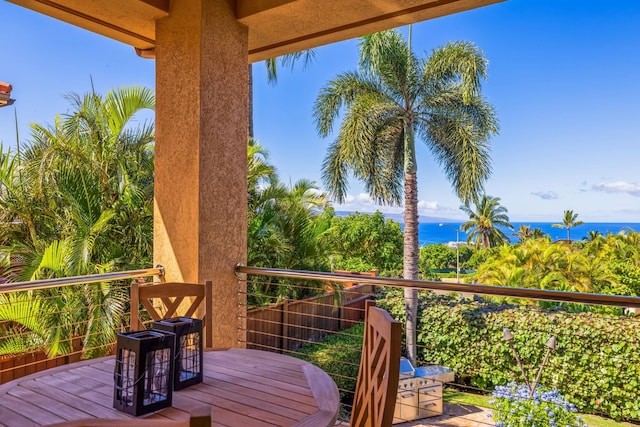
x=201, y=152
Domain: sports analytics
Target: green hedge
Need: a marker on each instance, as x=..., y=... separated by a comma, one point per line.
x=596, y=365
x=339, y=356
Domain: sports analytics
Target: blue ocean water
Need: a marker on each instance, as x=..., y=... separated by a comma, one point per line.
x=432, y=232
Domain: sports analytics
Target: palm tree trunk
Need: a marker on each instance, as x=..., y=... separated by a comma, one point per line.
x=410, y=260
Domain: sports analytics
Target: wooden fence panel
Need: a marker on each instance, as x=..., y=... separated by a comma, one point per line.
x=264, y=327
x=288, y=325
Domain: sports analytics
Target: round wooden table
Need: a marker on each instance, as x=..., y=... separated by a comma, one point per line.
x=245, y=388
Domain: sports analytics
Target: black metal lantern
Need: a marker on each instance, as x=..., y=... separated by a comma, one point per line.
x=188, y=357
x=144, y=371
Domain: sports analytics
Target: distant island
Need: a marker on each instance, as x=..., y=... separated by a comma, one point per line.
x=398, y=217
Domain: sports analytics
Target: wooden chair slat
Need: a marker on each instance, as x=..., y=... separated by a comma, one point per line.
x=172, y=295
x=379, y=372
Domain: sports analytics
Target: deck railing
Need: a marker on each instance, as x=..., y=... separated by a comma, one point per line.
x=283, y=329
x=51, y=322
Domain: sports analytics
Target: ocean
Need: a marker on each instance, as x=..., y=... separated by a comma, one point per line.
x=432, y=232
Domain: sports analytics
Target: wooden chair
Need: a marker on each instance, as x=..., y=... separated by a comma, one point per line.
x=377, y=385
x=172, y=296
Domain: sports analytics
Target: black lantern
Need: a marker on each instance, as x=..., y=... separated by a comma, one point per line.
x=188, y=357
x=144, y=371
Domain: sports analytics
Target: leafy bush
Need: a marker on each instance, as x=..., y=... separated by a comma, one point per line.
x=339, y=356
x=596, y=365
x=375, y=241
x=514, y=407
x=436, y=256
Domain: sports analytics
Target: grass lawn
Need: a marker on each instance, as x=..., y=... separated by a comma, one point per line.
x=453, y=395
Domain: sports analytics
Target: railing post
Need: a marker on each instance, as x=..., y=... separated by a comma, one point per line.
x=341, y=314
x=284, y=346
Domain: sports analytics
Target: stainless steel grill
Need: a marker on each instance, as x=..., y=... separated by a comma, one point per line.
x=420, y=391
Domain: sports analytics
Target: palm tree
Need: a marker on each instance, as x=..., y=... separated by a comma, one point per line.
x=592, y=236
x=393, y=99
x=568, y=222
x=286, y=226
x=537, y=233
x=484, y=222
x=524, y=232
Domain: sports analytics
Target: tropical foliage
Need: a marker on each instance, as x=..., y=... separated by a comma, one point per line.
x=77, y=200
x=609, y=265
x=295, y=228
x=285, y=223
x=394, y=98
x=285, y=230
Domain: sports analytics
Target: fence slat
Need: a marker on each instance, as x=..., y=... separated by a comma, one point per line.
x=288, y=325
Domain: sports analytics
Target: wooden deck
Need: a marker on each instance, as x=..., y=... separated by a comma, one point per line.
x=247, y=388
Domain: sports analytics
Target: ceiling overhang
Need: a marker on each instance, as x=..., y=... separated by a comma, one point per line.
x=276, y=27
x=130, y=21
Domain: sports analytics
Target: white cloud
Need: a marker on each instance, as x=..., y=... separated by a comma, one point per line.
x=363, y=203
x=545, y=195
x=631, y=188
x=425, y=205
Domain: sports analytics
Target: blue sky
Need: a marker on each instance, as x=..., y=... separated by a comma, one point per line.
x=563, y=77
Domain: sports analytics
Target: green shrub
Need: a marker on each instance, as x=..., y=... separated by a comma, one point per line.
x=339, y=356
x=596, y=365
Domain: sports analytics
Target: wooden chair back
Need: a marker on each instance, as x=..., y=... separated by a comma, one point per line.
x=173, y=295
x=377, y=386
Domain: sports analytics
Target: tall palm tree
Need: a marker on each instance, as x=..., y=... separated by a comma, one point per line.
x=569, y=221
x=393, y=99
x=484, y=222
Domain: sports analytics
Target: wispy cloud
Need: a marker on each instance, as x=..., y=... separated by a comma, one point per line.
x=545, y=195
x=631, y=188
x=363, y=203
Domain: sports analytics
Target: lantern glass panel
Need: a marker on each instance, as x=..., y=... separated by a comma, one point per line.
x=157, y=379
x=188, y=357
x=126, y=375
x=190, y=349
x=143, y=371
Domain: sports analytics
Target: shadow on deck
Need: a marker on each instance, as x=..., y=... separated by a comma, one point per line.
x=455, y=415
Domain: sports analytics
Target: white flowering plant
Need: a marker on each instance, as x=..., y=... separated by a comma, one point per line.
x=514, y=407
